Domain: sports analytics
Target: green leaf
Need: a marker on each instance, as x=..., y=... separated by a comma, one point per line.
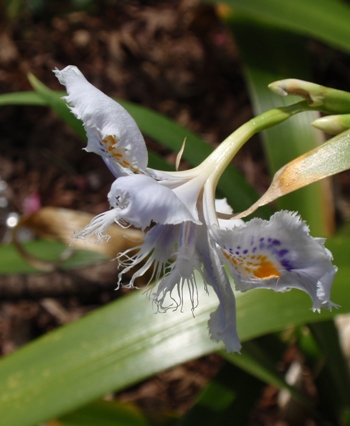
x=256, y=361
x=22, y=98
x=230, y=395
x=13, y=263
x=104, y=413
x=296, y=136
x=326, y=20
x=124, y=343
x=323, y=356
x=53, y=99
x=332, y=380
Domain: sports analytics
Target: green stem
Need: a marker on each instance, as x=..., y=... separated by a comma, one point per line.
x=217, y=162
x=224, y=153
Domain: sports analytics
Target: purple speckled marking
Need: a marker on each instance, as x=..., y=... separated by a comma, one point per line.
x=286, y=264
x=271, y=245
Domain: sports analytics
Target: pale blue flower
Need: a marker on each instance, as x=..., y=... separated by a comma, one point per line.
x=186, y=231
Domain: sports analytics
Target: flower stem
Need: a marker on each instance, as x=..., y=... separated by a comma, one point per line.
x=224, y=153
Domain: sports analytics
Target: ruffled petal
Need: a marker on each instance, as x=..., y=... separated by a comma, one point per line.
x=230, y=223
x=139, y=200
x=111, y=131
x=278, y=254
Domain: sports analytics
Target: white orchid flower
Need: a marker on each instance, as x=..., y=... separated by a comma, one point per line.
x=186, y=231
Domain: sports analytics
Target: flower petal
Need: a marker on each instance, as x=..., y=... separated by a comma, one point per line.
x=158, y=248
x=278, y=254
x=139, y=200
x=169, y=292
x=222, y=206
x=222, y=323
x=111, y=131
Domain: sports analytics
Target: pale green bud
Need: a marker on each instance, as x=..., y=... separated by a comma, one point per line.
x=318, y=97
x=333, y=124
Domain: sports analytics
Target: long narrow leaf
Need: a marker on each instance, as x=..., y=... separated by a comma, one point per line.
x=22, y=98
x=333, y=381
x=103, y=413
x=230, y=395
x=13, y=263
x=124, y=343
x=326, y=20
x=258, y=362
x=296, y=136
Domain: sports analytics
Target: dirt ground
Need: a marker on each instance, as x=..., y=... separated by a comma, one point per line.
x=175, y=57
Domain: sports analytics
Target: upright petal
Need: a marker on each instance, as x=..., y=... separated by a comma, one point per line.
x=111, y=131
x=278, y=254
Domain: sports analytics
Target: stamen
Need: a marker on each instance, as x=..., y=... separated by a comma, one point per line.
x=110, y=144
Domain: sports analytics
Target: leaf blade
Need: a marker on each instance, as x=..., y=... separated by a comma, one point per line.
x=326, y=20
x=125, y=342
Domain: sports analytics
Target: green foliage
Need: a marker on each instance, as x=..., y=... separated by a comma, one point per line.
x=104, y=413
x=325, y=20
x=124, y=343
x=13, y=263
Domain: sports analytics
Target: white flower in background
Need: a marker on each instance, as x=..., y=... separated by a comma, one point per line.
x=185, y=232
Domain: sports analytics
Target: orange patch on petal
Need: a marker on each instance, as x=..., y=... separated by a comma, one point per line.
x=109, y=140
x=266, y=270
x=254, y=266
